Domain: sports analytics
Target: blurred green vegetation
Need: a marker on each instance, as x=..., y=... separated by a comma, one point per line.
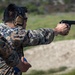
x=48, y=72
x=69, y=73
x=55, y=72
x=42, y=6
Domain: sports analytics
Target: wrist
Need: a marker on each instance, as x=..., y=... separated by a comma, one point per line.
x=55, y=32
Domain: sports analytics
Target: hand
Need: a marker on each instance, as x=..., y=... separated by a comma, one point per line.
x=23, y=59
x=23, y=66
x=62, y=29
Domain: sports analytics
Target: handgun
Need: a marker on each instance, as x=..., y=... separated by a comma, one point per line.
x=69, y=22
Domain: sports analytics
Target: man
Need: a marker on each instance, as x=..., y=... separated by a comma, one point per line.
x=14, y=37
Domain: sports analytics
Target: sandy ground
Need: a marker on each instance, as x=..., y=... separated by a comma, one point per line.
x=54, y=55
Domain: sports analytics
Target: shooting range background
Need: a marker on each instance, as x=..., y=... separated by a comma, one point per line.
x=56, y=54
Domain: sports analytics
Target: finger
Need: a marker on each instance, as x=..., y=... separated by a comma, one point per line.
x=65, y=32
x=68, y=26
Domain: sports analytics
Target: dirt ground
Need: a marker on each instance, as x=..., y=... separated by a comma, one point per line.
x=54, y=55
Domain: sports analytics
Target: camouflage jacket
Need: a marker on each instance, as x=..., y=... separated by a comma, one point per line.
x=17, y=38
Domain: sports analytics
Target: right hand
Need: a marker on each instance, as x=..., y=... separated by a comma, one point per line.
x=62, y=29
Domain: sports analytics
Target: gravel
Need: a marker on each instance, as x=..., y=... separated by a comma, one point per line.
x=54, y=55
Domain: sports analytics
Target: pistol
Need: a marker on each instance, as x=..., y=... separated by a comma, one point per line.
x=69, y=22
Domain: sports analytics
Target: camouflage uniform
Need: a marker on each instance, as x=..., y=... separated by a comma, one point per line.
x=17, y=38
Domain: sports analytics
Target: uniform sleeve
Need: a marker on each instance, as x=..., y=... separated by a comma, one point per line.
x=38, y=37
x=7, y=53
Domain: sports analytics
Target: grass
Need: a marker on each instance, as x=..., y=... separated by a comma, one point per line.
x=52, y=72
x=48, y=72
x=69, y=73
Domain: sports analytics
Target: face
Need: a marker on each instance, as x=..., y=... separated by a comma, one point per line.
x=25, y=23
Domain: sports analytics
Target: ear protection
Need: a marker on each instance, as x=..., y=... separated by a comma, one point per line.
x=15, y=13
x=19, y=21
x=20, y=15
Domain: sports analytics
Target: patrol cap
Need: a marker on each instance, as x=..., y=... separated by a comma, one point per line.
x=14, y=13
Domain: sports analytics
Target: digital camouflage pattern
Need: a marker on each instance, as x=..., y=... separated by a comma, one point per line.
x=7, y=57
x=12, y=50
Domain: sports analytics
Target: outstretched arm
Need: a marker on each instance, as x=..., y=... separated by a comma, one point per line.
x=62, y=29
x=45, y=36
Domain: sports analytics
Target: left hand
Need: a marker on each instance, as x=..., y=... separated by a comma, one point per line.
x=23, y=59
x=26, y=64
x=62, y=29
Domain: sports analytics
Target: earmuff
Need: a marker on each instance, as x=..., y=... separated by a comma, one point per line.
x=15, y=14
x=20, y=16
x=19, y=21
